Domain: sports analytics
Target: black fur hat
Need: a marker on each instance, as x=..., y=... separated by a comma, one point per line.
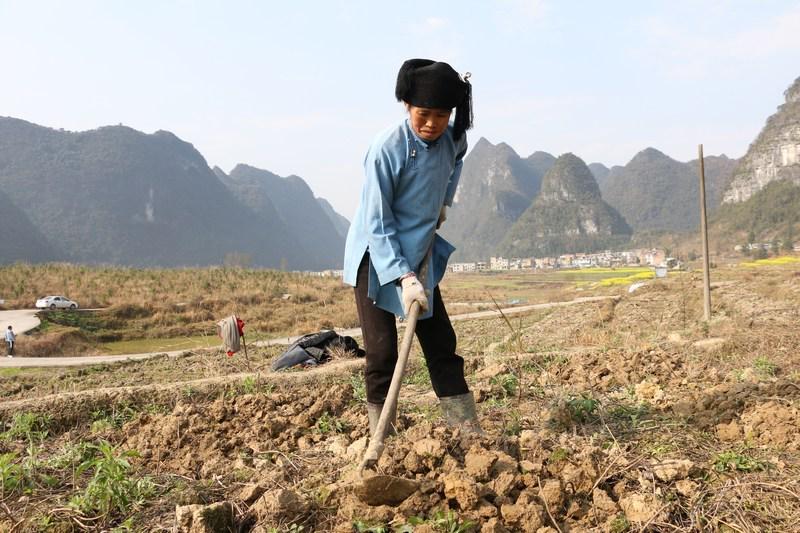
x=434, y=84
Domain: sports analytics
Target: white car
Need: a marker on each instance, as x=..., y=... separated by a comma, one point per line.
x=56, y=302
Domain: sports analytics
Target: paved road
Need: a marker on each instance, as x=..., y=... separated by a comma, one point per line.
x=354, y=332
x=21, y=320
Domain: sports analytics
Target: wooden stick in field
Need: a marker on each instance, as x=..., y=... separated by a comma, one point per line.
x=704, y=232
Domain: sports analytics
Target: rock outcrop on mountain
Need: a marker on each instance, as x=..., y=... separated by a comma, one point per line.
x=19, y=238
x=657, y=193
x=495, y=188
x=567, y=216
x=774, y=155
x=116, y=195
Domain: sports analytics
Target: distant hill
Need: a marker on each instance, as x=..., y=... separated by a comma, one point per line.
x=600, y=172
x=19, y=238
x=495, y=188
x=567, y=216
x=719, y=172
x=340, y=223
x=307, y=222
x=116, y=195
x=774, y=155
x=657, y=193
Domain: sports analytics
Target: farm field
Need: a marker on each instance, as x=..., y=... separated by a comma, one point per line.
x=624, y=415
x=146, y=310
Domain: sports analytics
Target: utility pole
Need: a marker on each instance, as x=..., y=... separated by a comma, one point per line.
x=704, y=232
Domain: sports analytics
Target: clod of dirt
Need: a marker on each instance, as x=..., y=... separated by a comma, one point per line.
x=773, y=424
x=729, y=432
x=479, y=462
x=493, y=525
x=642, y=508
x=204, y=518
x=357, y=448
x=673, y=469
x=463, y=489
x=504, y=484
x=250, y=493
x=710, y=344
x=552, y=493
x=687, y=488
x=603, y=502
x=492, y=371
x=429, y=448
x=649, y=392
x=525, y=516
x=279, y=505
x=385, y=490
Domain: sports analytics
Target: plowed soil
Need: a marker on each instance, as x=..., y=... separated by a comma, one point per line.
x=624, y=415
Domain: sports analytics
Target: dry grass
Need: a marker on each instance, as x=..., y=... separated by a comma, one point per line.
x=152, y=303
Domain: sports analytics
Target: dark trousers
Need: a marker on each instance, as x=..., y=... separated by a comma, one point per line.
x=10, y=348
x=435, y=335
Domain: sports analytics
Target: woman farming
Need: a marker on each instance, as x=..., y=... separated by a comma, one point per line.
x=412, y=171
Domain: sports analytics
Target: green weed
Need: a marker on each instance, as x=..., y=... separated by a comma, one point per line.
x=115, y=417
x=417, y=374
x=69, y=456
x=619, y=525
x=11, y=475
x=554, y=359
x=359, y=387
x=366, y=527
x=111, y=489
x=632, y=413
x=558, y=455
x=329, y=424
x=248, y=385
x=504, y=385
x=28, y=426
x=582, y=407
x=512, y=424
x=733, y=461
x=449, y=522
x=765, y=367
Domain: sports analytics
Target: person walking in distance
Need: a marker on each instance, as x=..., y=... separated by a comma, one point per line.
x=412, y=171
x=10, y=340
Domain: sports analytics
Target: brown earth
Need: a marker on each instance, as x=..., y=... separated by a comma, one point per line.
x=609, y=417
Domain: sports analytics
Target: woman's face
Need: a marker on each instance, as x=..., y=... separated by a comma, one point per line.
x=428, y=123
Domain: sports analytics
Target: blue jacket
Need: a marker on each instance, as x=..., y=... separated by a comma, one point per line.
x=408, y=180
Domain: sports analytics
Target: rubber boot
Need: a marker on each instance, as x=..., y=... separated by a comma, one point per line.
x=459, y=411
x=374, y=414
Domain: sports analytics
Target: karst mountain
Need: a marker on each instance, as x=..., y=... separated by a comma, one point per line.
x=495, y=188
x=567, y=216
x=118, y=196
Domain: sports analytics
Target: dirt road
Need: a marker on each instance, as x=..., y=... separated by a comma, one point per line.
x=18, y=362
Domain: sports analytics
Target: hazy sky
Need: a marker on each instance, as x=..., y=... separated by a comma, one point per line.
x=300, y=87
